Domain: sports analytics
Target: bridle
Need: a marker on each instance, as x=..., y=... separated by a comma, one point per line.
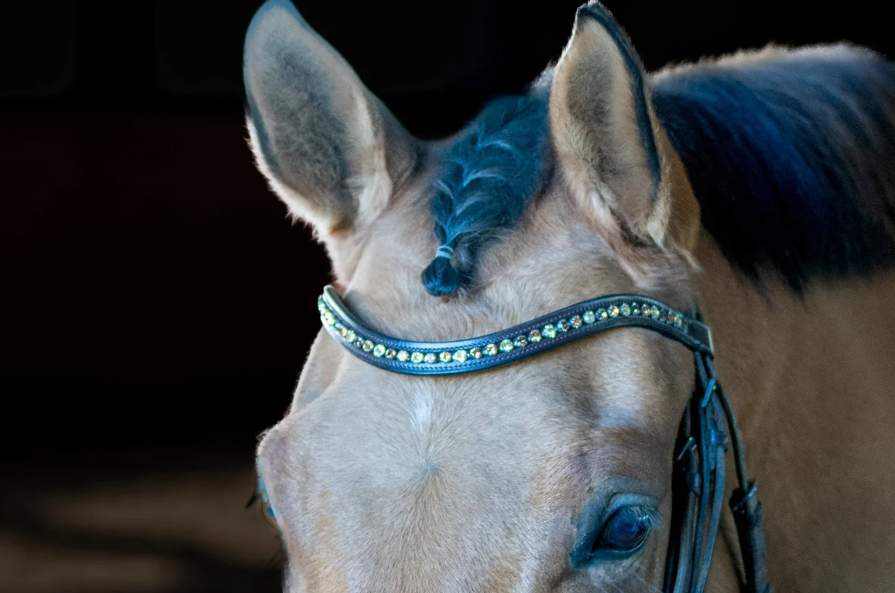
x=699, y=484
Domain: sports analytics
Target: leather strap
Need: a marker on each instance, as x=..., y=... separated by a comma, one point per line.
x=569, y=324
x=700, y=487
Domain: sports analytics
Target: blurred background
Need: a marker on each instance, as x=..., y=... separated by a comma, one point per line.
x=156, y=304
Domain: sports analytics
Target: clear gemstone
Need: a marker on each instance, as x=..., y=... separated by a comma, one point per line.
x=403, y=355
x=576, y=321
x=602, y=314
x=378, y=350
x=520, y=342
x=626, y=310
x=506, y=345
x=491, y=349
x=655, y=312
x=416, y=357
x=476, y=353
x=678, y=321
x=460, y=355
x=328, y=318
x=589, y=317
x=562, y=325
x=445, y=357
x=390, y=353
x=614, y=311
x=359, y=342
x=349, y=335
x=635, y=309
x=368, y=345
x=535, y=336
x=430, y=358
x=343, y=331
x=549, y=330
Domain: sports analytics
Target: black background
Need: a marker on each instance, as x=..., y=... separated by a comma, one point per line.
x=152, y=290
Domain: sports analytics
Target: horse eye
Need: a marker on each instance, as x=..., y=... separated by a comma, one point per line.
x=625, y=531
x=266, y=508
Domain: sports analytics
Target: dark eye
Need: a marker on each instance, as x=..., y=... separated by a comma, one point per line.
x=266, y=509
x=625, y=531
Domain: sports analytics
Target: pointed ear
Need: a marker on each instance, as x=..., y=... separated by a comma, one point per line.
x=329, y=148
x=613, y=153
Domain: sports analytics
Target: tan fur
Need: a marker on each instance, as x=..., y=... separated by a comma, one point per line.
x=385, y=483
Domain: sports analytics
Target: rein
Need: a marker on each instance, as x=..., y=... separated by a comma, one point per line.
x=699, y=484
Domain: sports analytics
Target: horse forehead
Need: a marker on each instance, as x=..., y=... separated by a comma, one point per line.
x=387, y=430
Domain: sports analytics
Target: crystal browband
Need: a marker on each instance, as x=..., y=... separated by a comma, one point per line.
x=510, y=345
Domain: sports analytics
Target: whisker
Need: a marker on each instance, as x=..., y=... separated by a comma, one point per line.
x=647, y=583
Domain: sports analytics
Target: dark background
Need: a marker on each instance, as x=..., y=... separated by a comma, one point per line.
x=155, y=300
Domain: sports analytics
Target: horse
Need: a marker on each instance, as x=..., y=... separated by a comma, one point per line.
x=757, y=186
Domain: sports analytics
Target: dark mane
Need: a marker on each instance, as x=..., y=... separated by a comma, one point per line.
x=492, y=171
x=791, y=156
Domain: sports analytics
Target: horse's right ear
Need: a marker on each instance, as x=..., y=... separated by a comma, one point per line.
x=329, y=148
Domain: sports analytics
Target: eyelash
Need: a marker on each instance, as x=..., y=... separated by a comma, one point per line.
x=278, y=560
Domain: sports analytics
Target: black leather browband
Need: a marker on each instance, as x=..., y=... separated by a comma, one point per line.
x=509, y=345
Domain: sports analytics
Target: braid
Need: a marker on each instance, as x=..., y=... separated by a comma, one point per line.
x=492, y=173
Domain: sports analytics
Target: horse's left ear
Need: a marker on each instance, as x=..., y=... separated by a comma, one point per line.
x=614, y=154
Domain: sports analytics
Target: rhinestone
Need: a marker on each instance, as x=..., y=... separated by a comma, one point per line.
x=390, y=353
x=635, y=309
x=520, y=342
x=403, y=355
x=506, y=345
x=655, y=312
x=416, y=357
x=359, y=342
x=576, y=321
x=379, y=351
x=445, y=357
x=562, y=325
x=626, y=310
x=602, y=314
x=549, y=331
x=535, y=336
x=328, y=318
x=476, y=353
x=460, y=355
x=491, y=349
x=614, y=311
x=430, y=358
x=670, y=317
x=343, y=331
x=321, y=307
x=368, y=345
x=678, y=321
x=349, y=335
x=589, y=317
